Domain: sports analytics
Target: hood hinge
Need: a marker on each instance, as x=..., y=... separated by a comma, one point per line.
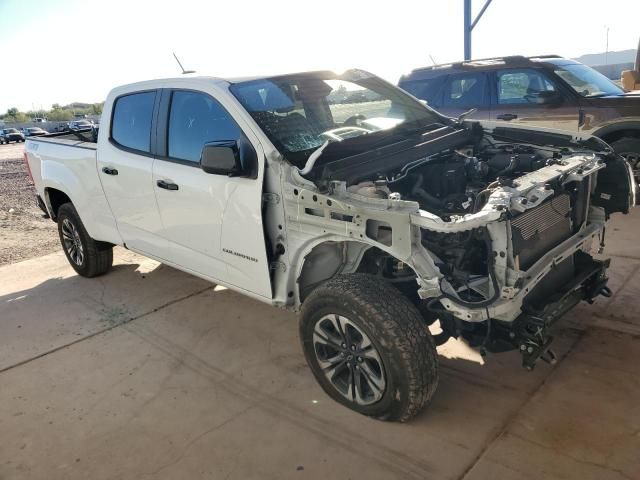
x=273, y=198
x=278, y=266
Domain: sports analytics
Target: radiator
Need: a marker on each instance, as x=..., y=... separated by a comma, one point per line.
x=536, y=231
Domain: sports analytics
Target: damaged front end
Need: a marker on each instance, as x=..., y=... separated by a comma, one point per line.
x=509, y=271
x=498, y=227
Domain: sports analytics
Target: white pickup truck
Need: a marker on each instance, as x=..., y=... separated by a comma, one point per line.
x=346, y=198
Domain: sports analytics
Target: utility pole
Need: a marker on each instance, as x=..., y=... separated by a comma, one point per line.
x=469, y=25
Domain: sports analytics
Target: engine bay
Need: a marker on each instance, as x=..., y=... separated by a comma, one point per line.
x=550, y=205
x=459, y=181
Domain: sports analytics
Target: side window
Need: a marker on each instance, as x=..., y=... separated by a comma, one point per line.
x=522, y=86
x=425, y=89
x=466, y=91
x=196, y=119
x=131, y=120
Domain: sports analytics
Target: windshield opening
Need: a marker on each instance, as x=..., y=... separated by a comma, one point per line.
x=587, y=81
x=299, y=113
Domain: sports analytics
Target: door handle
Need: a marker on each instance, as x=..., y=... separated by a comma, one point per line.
x=167, y=185
x=507, y=116
x=109, y=171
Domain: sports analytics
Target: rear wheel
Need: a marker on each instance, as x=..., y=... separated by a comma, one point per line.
x=629, y=148
x=369, y=347
x=88, y=257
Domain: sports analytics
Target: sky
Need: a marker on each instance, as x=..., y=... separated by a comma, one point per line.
x=61, y=51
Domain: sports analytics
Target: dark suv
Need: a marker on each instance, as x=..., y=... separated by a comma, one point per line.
x=9, y=135
x=545, y=91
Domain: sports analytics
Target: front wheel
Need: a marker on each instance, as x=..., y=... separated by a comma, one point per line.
x=629, y=148
x=88, y=257
x=368, y=347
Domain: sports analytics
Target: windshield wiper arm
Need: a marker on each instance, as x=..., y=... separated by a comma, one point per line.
x=311, y=161
x=464, y=115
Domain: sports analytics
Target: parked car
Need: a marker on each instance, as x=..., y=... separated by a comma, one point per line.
x=373, y=219
x=34, y=132
x=79, y=125
x=545, y=91
x=11, y=135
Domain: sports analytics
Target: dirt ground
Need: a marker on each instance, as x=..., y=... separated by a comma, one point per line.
x=24, y=232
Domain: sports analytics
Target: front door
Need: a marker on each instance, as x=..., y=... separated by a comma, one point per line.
x=125, y=167
x=466, y=91
x=213, y=223
x=527, y=97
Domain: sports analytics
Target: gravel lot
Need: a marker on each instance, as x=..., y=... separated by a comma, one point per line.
x=24, y=232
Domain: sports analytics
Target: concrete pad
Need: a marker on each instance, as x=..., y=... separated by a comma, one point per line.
x=215, y=385
x=620, y=312
x=254, y=351
x=623, y=235
x=172, y=377
x=584, y=423
x=627, y=294
x=45, y=305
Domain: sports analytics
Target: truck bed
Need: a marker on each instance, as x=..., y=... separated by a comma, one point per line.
x=81, y=138
x=66, y=165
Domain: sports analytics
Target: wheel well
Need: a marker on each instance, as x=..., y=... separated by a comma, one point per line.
x=55, y=198
x=329, y=259
x=618, y=134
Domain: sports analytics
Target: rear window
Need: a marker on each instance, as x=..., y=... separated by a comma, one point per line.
x=131, y=121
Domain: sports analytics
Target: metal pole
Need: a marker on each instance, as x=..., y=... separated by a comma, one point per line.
x=469, y=25
x=467, y=29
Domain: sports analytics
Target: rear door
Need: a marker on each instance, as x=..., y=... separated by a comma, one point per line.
x=516, y=97
x=427, y=89
x=464, y=91
x=213, y=223
x=125, y=167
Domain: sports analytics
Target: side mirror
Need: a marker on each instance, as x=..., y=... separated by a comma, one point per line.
x=234, y=158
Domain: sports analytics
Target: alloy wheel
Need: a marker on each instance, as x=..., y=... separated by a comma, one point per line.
x=349, y=359
x=72, y=242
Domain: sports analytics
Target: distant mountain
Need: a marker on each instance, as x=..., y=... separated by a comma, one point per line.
x=597, y=59
x=74, y=105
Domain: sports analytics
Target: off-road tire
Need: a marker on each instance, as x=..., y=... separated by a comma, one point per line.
x=396, y=330
x=98, y=256
x=629, y=146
